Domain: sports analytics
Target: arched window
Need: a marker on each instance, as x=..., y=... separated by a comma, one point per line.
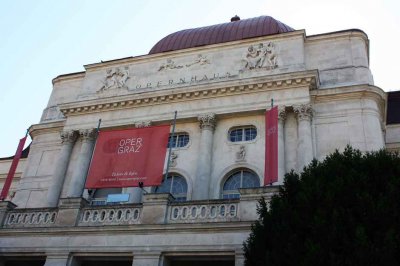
x=239, y=179
x=176, y=185
x=179, y=140
x=244, y=133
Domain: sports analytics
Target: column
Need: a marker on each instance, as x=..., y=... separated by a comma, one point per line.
x=304, y=146
x=68, y=139
x=281, y=143
x=203, y=172
x=79, y=176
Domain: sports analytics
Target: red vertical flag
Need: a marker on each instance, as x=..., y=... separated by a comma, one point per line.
x=271, y=146
x=13, y=168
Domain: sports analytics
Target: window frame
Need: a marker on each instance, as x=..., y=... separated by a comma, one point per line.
x=178, y=197
x=243, y=133
x=178, y=136
x=235, y=193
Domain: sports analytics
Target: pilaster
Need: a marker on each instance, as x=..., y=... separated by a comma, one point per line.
x=146, y=259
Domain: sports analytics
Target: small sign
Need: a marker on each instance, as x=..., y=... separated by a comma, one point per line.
x=112, y=198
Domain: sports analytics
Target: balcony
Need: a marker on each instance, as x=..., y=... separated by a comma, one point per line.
x=155, y=209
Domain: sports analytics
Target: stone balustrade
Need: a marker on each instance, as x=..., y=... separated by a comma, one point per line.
x=155, y=209
x=30, y=218
x=110, y=215
x=203, y=211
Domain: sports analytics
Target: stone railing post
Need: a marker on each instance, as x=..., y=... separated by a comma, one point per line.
x=203, y=172
x=281, y=144
x=68, y=139
x=69, y=211
x=249, y=198
x=304, y=146
x=155, y=208
x=5, y=207
x=79, y=175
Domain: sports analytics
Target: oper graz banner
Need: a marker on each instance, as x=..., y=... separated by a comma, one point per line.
x=123, y=158
x=271, y=146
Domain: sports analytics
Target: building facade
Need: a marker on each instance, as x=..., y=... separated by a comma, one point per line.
x=220, y=79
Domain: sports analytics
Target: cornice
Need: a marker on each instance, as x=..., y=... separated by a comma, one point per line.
x=308, y=79
x=338, y=34
x=142, y=229
x=48, y=127
x=355, y=92
x=348, y=92
x=70, y=76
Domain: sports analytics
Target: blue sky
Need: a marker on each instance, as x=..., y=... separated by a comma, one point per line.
x=42, y=39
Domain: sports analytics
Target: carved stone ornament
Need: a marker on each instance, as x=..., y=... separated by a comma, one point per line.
x=169, y=65
x=262, y=56
x=88, y=134
x=68, y=136
x=241, y=153
x=281, y=113
x=173, y=161
x=207, y=121
x=142, y=124
x=200, y=60
x=115, y=78
x=303, y=111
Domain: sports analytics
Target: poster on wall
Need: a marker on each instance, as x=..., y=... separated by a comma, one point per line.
x=123, y=158
x=271, y=146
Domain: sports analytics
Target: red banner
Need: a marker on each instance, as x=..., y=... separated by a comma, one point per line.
x=123, y=158
x=13, y=168
x=271, y=146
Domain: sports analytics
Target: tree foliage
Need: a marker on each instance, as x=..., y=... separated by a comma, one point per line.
x=344, y=210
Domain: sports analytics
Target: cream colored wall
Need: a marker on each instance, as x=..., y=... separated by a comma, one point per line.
x=320, y=70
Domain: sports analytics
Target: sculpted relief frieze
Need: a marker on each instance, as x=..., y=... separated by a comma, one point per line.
x=192, y=70
x=261, y=56
x=169, y=65
x=115, y=78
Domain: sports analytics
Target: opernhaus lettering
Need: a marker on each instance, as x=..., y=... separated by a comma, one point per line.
x=186, y=80
x=129, y=145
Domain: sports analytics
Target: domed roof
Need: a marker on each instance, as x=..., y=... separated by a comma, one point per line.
x=232, y=31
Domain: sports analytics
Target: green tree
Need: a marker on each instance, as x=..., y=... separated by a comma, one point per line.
x=344, y=210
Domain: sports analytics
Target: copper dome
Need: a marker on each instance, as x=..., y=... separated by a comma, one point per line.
x=220, y=33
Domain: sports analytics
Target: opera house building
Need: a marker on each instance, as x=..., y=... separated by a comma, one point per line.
x=220, y=80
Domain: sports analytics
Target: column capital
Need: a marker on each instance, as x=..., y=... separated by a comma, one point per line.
x=88, y=134
x=142, y=124
x=68, y=136
x=303, y=111
x=281, y=113
x=207, y=121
